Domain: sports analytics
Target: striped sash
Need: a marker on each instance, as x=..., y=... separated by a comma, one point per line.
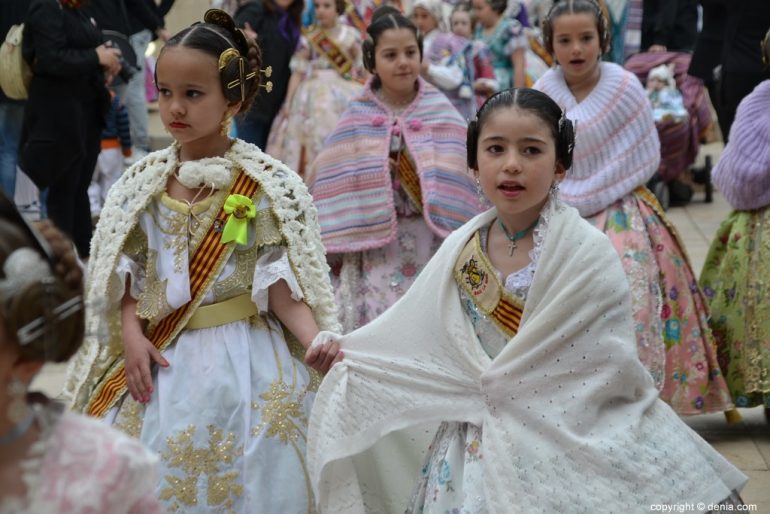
x=205, y=265
x=410, y=181
x=326, y=46
x=475, y=275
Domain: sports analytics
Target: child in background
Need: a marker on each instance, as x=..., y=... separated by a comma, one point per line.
x=116, y=148
x=206, y=284
x=505, y=38
x=326, y=70
x=391, y=182
x=616, y=153
x=736, y=274
x=666, y=99
x=515, y=346
x=475, y=58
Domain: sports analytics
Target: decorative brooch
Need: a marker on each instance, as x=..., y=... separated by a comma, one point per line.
x=240, y=209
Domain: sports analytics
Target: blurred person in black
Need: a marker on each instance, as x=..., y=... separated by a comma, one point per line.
x=276, y=25
x=707, y=56
x=742, y=67
x=11, y=111
x=140, y=21
x=669, y=25
x=65, y=110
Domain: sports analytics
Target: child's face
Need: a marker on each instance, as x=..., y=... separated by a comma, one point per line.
x=461, y=24
x=424, y=20
x=576, y=45
x=325, y=12
x=484, y=13
x=284, y=4
x=655, y=84
x=397, y=60
x=190, y=98
x=517, y=161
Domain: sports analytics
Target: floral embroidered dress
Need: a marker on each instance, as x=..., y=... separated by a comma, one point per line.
x=234, y=398
x=615, y=155
x=736, y=275
x=321, y=97
x=452, y=478
x=228, y=416
x=80, y=466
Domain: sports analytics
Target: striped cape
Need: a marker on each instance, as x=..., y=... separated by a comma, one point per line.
x=351, y=182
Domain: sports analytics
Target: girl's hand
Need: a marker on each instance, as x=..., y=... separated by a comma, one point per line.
x=321, y=357
x=138, y=352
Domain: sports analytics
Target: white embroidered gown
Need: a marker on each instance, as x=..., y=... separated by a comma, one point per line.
x=228, y=417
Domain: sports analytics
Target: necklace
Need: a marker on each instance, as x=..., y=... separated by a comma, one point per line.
x=515, y=237
x=394, y=103
x=17, y=430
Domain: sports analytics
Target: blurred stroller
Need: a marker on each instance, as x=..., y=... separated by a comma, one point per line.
x=679, y=139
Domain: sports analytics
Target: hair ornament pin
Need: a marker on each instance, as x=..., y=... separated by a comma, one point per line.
x=267, y=72
x=562, y=120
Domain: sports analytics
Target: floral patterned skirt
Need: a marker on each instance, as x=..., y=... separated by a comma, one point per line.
x=736, y=282
x=669, y=309
x=368, y=283
x=452, y=481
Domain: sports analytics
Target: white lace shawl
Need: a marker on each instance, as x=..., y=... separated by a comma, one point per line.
x=291, y=204
x=571, y=420
x=616, y=143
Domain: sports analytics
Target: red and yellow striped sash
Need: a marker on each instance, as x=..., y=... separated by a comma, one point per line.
x=326, y=46
x=410, y=181
x=475, y=274
x=205, y=264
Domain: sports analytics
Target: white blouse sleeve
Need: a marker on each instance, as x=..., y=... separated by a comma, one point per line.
x=273, y=265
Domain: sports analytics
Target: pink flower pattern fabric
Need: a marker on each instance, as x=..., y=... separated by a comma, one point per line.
x=81, y=466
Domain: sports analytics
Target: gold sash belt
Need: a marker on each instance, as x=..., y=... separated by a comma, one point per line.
x=221, y=313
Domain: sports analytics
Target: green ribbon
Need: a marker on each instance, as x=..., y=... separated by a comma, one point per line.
x=240, y=209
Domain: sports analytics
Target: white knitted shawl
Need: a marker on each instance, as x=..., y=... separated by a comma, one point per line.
x=290, y=202
x=571, y=420
x=616, y=146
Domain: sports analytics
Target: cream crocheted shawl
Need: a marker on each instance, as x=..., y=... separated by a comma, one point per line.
x=571, y=420
x=291, y=205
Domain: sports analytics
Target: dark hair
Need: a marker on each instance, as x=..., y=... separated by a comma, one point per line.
x=386, y=17
x=340, y=6
x=574, y=7
x=464, y=7
x=531, y=100
x=766, y=49
x=49, y=312
x=499, y=6
x=294, y=10
x=216, y=35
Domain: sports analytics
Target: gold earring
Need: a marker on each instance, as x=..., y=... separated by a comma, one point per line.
x=225, y=125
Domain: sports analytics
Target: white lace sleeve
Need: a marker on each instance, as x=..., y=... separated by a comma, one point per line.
x=273, y=265
x=127, y=267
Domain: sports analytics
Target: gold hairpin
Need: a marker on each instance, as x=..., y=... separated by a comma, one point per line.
x=227, y=56
x=268, y=86
x=267, y=71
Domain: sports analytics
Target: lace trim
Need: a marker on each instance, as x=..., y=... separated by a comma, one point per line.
x=271, y=267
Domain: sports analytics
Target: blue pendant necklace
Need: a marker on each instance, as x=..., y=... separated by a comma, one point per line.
x=515, y=237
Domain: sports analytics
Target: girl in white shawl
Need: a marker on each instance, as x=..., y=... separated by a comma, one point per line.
x=517, y=339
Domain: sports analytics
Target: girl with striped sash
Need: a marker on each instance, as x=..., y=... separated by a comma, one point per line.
x=206, y=283
x=392, y=181
x=515, y=347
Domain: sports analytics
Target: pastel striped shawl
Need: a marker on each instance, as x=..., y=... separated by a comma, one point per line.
x=616, y=145
x=351, y=182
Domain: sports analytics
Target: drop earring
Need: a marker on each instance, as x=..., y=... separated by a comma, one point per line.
x=554, y=191
x=480, y=193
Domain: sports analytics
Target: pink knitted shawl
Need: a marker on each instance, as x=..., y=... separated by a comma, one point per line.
x=351, y=181
x=742, y=174
x=616, y=146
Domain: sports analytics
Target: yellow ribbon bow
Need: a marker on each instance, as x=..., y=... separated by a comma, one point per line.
x=241, y=209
